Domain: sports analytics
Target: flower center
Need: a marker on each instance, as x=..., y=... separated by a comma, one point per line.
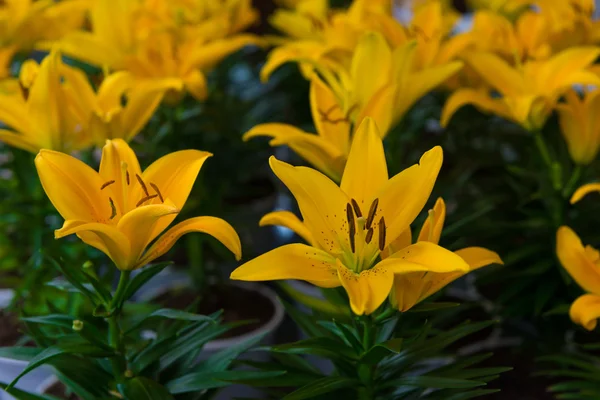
x=360, y=236
x=147, y=196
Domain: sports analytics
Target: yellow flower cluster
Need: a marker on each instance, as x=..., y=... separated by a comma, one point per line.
x=149, y=50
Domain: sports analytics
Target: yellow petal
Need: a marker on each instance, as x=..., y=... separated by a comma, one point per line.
x=292, y=261
x=408, y=290
x=138, y=225
x=433, y=225
x=497, y=73
x=195, y=83
x=19, y=140
x=479, y=99
x=104, y=237
x=89, y=48
x=321, y=202
x=557, y=70
x=402, y=241
x=372, y=53
x=421, y=83
x=585, y=311
x=367, y=290
x=330, y=121
x=381, y=108
x=142, y=101
x=205, y=57
x=216, y=227
x=366, y=169
x=574, y=259
x=44, y=101
x=13, y=112
x=174, y=176
x=301, y=50
x=424, y=256
x=289, y=220
x=316, y=150
x=478, y=257
x=584, y=190
x=72, y=187
x=112, y=88
x=119, y=164
x=404, y=196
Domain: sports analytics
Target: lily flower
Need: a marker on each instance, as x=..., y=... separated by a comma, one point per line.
x=351, y=224
x=42, y=115
x=327, y=150
x=123, y=211
x=410, y=289
x=583, y=264
x=580, y=125
x=25, y=23
x=527, y=93
x=163, y=39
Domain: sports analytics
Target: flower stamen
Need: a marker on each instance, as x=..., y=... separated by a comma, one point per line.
x=107, y=184
x=381, y=227
x=145, y=199
x=372, y=212
x=369, y=236
x=143, y=185
x=127, y=177
x=351, y=226
x=357, y=210
x=113, y=208
x=162, y=200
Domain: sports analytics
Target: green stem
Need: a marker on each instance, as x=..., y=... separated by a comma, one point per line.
x=543, y=149
x=366, y=371
x=118, y=362
x=570, y=187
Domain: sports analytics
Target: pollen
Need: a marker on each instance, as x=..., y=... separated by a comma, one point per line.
x=127, y=177
x=351, y=226
x=372, y=212
x=162, y=200
x=357, y=210
x=113, y=208
x=381, y=228
x=143, y=185
x=369, y=236
x=145, y=199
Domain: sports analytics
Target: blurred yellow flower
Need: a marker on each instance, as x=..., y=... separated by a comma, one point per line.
x=412, y=288
x=528, y=92
x=160, y=39
x=349, y=226
x=327, y=150
x=43, y=115
x=583, y=264
x=121, y=210
x=24, y=23
x=580, y=125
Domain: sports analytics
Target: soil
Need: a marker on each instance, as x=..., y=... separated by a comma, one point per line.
x=10, y=329
x=238, y=304
x=59, y=390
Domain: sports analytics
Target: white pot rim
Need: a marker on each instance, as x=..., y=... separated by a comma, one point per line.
x=274, y=321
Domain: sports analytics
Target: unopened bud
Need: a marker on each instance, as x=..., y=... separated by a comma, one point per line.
x=128, y=373
x=77, y=325
x=88, y=264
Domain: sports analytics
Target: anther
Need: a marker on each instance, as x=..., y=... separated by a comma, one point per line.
x=381, y=227
x=145, y=199
x=127, y=177
x=142, y=184
x=356, y=208
x=371, y=215
x=351, y=226
x=107, y=184
x=369, y=236
x=113, y=208
x=157, y=192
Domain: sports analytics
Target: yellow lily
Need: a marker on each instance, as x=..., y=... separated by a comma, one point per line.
x=410, y=289
x=42, y=115
x=582, y=264
x=351, y=224
x=529, y=92
x=160, y=39
x=398, y=84
x=328, y=150
x=24, y=23
x=121, y=210
x=580, y=125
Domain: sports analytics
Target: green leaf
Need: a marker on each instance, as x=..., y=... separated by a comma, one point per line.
x=142, y=277
x=433, y=382
x=19, y=353
x=169, y=313
x=198, y=381
x=142, y=388
x=426, y=307
x=321, y=386
x=382, y=350
x=59, y=349
x=316, y=304
x=22, y=395
x=322, y=346
x=60, y=320
x=221, y=360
